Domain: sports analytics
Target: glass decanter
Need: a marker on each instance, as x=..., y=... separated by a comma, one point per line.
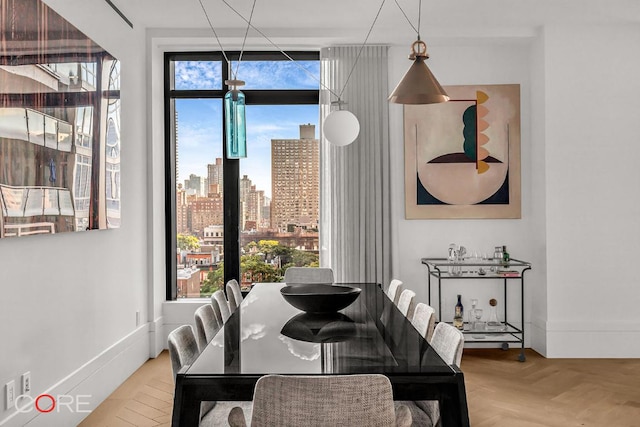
x=493, y=323
x=471, y=316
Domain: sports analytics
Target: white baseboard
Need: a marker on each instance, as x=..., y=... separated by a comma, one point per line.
x=157, y=337
x=586, y=339
x=538, y=336
x=93, y=383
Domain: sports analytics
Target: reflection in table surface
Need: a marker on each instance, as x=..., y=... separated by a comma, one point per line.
x=268, y=335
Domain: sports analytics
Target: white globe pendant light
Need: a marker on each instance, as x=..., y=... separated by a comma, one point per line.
x=341, y=127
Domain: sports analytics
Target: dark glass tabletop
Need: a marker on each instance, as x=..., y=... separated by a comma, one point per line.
x=267, y=335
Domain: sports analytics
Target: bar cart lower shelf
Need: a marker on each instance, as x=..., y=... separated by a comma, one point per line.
x=506, y=333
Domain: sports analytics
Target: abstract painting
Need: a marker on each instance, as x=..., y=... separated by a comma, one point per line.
x=462, y=157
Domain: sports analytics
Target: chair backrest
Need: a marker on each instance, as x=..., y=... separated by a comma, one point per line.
x=405, y=303
x=206, y=325
x=448, y=342
x=223, y=304
x=365, y=400
x=216, y=310
x=424, y=320
x=183, y=347
x=394, y=290
x=234, y=294
x=308, y=275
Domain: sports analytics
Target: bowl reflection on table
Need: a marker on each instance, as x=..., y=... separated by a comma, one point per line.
x=320, y=327
x=320, y=298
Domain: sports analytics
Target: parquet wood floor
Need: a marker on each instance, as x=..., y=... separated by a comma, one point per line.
x=501, y=392
x=144, y=399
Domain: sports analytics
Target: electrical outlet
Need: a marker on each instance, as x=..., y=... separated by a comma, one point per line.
x=10, y=394
x=26, y=383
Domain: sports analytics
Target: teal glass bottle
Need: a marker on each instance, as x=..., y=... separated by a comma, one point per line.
x=235, y=125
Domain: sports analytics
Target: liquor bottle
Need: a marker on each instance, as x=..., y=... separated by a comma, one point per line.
x=458, y=317
x=505, y=255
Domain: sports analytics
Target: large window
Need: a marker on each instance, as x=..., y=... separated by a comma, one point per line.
x=246, y=219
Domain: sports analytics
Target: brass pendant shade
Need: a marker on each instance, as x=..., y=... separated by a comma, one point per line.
x=418, y=86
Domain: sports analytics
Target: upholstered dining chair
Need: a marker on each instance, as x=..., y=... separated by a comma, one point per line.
x=183, y=347
x=394, y=290
x=424, y=320
x=216, y=310
x=234, y=295
x=223, y=304
x=405, y=303
x=448, y=342
x=206, y=325
x=308, y=275
x=183, y=350
x=332, y=400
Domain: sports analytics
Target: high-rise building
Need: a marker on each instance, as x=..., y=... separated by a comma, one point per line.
x=182, y=207
x=251, y=201
x=215, y=176
x=205, y=211
x=177, y=150
x=265, y=213
x=295, y=180
x=196, y=183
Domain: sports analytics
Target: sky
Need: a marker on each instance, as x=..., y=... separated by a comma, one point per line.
x=200, y=120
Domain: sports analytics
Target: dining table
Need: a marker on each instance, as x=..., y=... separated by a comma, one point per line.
x=267, y=335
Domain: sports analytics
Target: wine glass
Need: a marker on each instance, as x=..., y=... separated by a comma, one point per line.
x=477, y=313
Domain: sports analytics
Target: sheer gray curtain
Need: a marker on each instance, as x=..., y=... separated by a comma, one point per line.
x=355, y=229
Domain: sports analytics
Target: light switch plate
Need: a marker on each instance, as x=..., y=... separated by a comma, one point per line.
x=26, y=383
x=10, y=394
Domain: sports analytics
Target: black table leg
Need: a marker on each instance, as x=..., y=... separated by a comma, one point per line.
x=453, y=404
x=186, y=407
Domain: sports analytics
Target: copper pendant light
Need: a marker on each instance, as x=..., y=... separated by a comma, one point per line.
x=418, y=86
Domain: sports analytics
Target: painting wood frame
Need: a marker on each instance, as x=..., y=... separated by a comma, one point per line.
x=462, y=157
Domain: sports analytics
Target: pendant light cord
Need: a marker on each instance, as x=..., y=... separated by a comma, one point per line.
x=417, y=30
x=419, y=16
x=360, y=51
x=234, y=75
x=214, y=31
x=338, y=96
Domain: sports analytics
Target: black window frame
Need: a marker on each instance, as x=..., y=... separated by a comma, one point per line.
x=231, y=167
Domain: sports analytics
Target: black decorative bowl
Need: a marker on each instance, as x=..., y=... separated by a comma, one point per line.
x=320, y=327
x=320, y=298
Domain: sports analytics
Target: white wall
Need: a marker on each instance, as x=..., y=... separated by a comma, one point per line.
x=593, y=203
x=538, y=185
x=69, y=301
x=580, y=209
x=477, y=62
x=575, y=106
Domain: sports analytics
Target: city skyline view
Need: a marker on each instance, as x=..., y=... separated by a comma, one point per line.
x=199, y=121
x=278, y=221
